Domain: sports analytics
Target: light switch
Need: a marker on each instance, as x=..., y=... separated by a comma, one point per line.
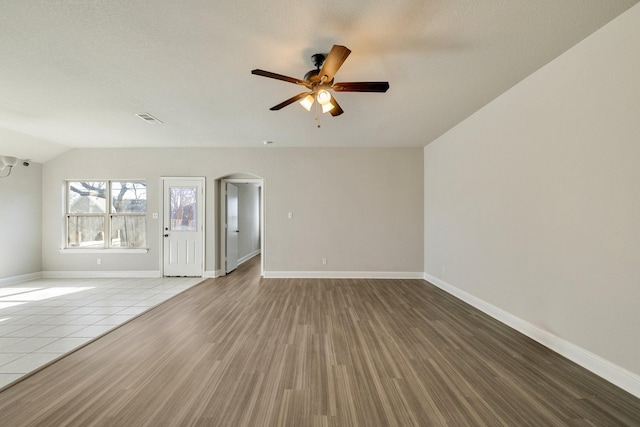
x=290, y=215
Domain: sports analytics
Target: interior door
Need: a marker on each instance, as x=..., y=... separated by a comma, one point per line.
x=231, y=258
x=183, y=228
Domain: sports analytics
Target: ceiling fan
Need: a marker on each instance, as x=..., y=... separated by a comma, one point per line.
x=320, y=81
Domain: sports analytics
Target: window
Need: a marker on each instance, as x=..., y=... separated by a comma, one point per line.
x=106, y=214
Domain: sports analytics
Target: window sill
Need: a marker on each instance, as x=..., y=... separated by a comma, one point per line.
x=105, y=251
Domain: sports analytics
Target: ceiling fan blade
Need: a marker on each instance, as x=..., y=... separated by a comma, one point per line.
x=291, y=100
x=361, y=87
x=337, y=110
x=333, y=62
x=271, y=75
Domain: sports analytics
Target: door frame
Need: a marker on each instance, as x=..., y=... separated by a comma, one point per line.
x=222, y=218
x=201, y=212
x=231, y=232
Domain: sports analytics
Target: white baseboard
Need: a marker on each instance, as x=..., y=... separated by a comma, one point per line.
x=248, y=257
x=100, y=274
x=342, y=275
x=21, y=278
x=611, y=372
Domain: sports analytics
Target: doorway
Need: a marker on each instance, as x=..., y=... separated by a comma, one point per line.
x=241, y=231
x=183, y=227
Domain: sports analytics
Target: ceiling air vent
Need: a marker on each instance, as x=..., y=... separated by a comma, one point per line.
x=149, y=118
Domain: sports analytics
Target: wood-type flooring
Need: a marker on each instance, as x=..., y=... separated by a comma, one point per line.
x=245, y=351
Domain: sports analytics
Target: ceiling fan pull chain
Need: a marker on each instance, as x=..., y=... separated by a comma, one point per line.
x=317, y=118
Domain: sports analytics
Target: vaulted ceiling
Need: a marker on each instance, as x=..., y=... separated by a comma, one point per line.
x=74, y=73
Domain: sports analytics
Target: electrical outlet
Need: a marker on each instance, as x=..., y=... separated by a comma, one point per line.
x=324, y=261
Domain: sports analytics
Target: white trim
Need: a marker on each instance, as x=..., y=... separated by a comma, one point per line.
x=611, y=372
x=104, y=251
x=222, y=221
x=100, y=274
x=21, y=278
x=211, y=274
x=248, y=257
x=342, y=275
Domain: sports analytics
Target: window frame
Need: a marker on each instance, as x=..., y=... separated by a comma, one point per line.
x=107, y=216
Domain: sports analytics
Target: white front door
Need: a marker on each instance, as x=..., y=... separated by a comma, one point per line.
x=231, y=228
x=183, y=228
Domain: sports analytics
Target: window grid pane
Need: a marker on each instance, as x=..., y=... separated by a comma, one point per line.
x=128, y=231
x=85, y=231
x=87, y=197
x=129, y=197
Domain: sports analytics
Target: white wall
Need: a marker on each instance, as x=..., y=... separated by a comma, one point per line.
x=360, y=208
x=533, y=203
x=248, y=219
x=21, y=221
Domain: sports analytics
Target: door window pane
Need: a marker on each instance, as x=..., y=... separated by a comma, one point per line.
x=183, y=208
x=85, y=231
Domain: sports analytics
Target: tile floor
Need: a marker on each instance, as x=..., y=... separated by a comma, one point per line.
x=43, y=319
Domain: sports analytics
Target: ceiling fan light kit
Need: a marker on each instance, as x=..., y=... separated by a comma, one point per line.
x=323, y=97
x=307, y=102
x=326, y=107
x=320, y=81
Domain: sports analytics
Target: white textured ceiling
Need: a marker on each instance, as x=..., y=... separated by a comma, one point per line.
x=73, y=73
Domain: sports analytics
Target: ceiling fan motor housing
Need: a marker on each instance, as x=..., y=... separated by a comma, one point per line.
x=311, y=74
x=318, y=59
